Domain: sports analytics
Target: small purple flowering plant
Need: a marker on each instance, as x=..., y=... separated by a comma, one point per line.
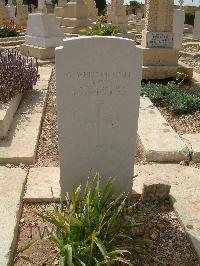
x=17, y=74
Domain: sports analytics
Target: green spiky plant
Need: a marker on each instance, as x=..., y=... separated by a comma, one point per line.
x=89, y=225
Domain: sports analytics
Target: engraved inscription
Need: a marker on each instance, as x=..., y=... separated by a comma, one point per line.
x=160, y=39
x=100, y=83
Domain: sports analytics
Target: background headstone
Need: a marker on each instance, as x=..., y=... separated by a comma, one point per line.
x=196, y=32
x=160, y=58
x=4, y=13
x=98, y=101
x=22, y=13
x=117, y=15
x=12, y=9
x=178, y=27
x=75, y=16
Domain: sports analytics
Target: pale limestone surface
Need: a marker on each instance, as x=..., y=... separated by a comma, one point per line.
x=159, y=16
x=22, y=13
x=178, y=27
x=33, y=101
x=43, y=185
x=37, y=52
x=194, y=142
x=117, y=15
x=7, y=112
x=12, y=183
x=4, y=13
x=196, y=31
x=158, y=34
x=185, y=193
x=98, y=102
x=160, y=57
x=20, y=144
x=43, y=31
x=159, y=142
x=12, y=9
x=75, y=17
x=92, y=10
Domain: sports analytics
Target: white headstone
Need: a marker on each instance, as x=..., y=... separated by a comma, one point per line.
x=178, y=27
x=42, y=6
x=43, y=30
x=196, y=32
x=32, y=8
x=98, y=81
x=12, y=9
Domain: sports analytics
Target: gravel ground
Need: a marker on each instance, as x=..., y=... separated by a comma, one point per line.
x=193, y=62
x=192, y=48
x=166, y=242
x=47, y=153
x=183, y=124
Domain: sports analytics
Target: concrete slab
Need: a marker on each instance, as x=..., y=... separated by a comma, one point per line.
x=45, y=73
x=159, y=142
x=43, y=185
x=7, y=112
x=21, y=142
x=33, y=101
x=194, y=141
x=196, y=78
x=11, y=194
x=185, y=193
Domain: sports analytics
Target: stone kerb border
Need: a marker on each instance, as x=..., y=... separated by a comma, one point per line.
x=7, y=112
x=12, y=41
x=158, y=141
x=20, y=144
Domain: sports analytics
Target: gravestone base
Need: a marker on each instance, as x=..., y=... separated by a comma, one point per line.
x=71, y=26
x=164, y=72
x=160, y=56
x=37, y=52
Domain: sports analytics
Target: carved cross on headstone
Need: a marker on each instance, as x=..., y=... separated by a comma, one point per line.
x=98, y=123
x=101, y=119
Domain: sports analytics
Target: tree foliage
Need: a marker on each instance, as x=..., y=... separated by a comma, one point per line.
x=134, y=3
x=100, y=4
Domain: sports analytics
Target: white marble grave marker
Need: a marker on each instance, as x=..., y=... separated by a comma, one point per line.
x=178, y=27
x=98, y=88
x=196, y=32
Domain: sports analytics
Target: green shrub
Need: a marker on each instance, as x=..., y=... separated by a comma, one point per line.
x=91, y=229
x=18, y=74
x=189, y=18
x=101, y=30
x=173, y=98
x=9, y=30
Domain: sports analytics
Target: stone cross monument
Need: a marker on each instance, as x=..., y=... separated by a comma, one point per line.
x=4, y=13
x=22, y=13
x=117, y=14
x=160, y=58
x=42, y=6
